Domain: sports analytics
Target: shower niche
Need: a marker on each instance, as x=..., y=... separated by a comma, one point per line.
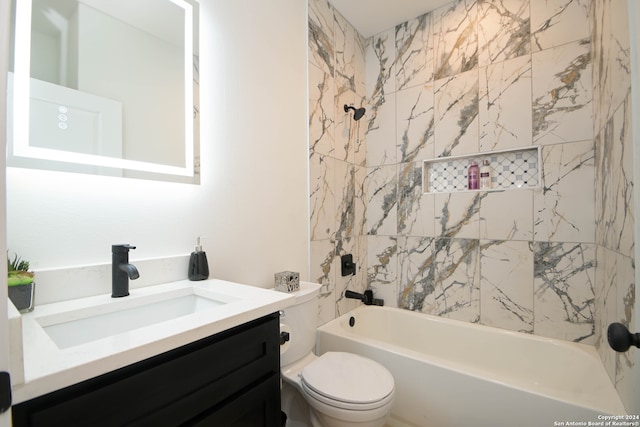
x=510, y=169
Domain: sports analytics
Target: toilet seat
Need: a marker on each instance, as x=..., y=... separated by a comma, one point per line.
x=348, y=381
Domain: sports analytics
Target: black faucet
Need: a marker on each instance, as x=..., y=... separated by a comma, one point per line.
x=367, y=297
x=121, y=270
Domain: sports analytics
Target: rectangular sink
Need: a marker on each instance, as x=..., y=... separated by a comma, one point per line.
x=119, y=316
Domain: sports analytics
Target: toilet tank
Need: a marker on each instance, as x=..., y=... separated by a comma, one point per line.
x=301, y=321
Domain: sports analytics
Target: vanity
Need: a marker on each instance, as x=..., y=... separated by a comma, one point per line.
x=203, y=353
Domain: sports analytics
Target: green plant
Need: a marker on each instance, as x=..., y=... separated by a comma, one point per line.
x=18, y=272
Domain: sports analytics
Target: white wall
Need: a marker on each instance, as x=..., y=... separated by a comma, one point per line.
x=252, y=203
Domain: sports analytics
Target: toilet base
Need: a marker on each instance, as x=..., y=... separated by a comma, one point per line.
x=295, y=406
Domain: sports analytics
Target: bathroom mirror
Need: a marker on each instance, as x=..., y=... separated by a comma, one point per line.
x=105, y=86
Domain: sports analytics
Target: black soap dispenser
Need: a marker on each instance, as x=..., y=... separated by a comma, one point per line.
x=198, y=265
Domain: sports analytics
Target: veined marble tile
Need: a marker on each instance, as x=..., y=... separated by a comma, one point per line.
x=556, y=22
x=380, y=72
x=414, y=52
x=505, y=105
x=600, y=58
x=381, y=133
x=606, y=301
x=415, y=123
x=614, y=175
x=345, y=192
x=380, y=65
x=612, y=58
x=345, y=53
x=564, y=208
x=628, y=388
x=346, y=129
x=564, y=291
x=458, y=214
x=625, y=272
x=415, y=209
x=381, y=190
x=360, y=201
x=361, y=127
x=362, y=254
x=604, y=174
x=321, y=187
x=619, y=54
x=382, y=268
x=504, y=30
x=506, y=285
x=456, y=115
x=507, y=215
x=457, y=289
x=359, y=156
x=321, y=111
x=562, y=94
x=456, y=38
x=622, y=213
x=360, y=65
x=416, y=267
x=323, y=272
x=321, y=49
x=615, y=300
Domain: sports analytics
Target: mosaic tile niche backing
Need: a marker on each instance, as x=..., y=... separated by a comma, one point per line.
x=509, y=169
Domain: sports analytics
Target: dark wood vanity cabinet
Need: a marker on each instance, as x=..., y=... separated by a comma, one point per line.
x=228, y=379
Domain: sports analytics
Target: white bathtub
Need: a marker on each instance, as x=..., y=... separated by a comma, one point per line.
x=450, y=373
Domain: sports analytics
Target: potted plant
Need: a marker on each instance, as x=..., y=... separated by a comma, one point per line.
x=21, y=284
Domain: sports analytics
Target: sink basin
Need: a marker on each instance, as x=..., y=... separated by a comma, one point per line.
x=115, y=317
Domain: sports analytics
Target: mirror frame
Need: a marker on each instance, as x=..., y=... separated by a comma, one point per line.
x=19, y=144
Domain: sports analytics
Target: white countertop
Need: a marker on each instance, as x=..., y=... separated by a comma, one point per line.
x=47, y=368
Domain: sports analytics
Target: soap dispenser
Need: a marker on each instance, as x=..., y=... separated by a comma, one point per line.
x=198, y=265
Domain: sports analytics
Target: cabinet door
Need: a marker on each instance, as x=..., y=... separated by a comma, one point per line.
x=167, y=390
x=259, y=407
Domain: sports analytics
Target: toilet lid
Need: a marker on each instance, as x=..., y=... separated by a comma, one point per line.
x=349, y=378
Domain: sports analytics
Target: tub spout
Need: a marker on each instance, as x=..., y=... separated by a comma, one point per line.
x=367, y=297
x=377, y=301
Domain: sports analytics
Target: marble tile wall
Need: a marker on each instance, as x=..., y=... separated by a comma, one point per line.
x=614, y=216
x=478, y=76
x=337, y=156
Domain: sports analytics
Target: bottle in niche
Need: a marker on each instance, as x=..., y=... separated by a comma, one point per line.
x=473, y=175
x=485, y=175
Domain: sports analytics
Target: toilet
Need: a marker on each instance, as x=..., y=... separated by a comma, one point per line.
x=336, y=389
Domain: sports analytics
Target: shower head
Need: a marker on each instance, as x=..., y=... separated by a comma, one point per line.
x=358, y=113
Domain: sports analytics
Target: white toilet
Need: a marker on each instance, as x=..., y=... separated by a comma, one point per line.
x=340, y=389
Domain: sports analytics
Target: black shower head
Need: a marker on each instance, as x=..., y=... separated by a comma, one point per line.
x=358, y=113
